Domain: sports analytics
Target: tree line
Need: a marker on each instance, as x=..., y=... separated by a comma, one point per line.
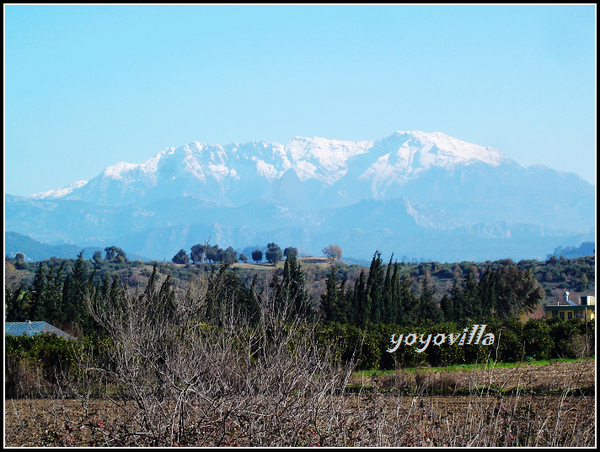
x=59, y=297
x=386, y=296
x=383, y=294
x=203, y=253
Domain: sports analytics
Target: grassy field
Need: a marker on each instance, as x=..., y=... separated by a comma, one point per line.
x=466, y=367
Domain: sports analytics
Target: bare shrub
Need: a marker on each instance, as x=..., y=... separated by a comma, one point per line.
x=582, y=346
x=400, y=381
x=444, y=382
x=422, y=381
x=23, y=378
x=191, y=380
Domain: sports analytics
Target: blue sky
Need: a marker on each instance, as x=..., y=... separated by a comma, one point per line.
x=88, y=86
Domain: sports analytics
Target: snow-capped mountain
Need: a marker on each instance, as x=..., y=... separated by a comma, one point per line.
x=419, y=194
x=236, y=174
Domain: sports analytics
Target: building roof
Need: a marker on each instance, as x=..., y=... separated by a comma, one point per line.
x=32, y=328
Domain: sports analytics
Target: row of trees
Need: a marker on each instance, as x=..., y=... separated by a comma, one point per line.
x=59, y=296
x=56, y=296
x=112, y=254
x=386, y=296
x=200, y=254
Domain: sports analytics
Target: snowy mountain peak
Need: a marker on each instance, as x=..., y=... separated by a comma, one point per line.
x=235, y=173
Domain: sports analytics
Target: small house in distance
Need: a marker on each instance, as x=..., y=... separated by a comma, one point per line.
x=33, y=328
x=567, y=309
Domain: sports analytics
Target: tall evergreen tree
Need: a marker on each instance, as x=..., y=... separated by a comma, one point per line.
x=360, y=309
x=76, y=289
x=457, y=297
x=428, y=309
x=395, y=307
x=487, y=292
x=408, y=301
x=36, y=309
x=294, y=288
x=447, y=308
x=471, y=297
x=53, y=294
x=388, y=292
x=329, y=299
x=375, y=286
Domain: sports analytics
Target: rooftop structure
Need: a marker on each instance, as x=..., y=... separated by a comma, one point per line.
x=33, y=328
x=568, y=309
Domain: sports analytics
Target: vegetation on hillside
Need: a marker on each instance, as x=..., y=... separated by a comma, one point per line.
x=263, y=354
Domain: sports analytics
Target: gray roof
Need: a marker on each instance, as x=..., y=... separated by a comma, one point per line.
x=32, y=328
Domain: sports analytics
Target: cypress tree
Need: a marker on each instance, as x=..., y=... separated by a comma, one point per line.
x=36, y=309
x=166, y=299
x=295, y=285
x=471, y=300
x=395, y=308
x=76, y=289
x=428, y=309
x=375, y=284
x=388, y=292
x=360, y=308
x=487, y=292
x=447, y=309
x=408, y=301
x=343, y=305
x=52, y=297
x=330, y=300
x=457, y=300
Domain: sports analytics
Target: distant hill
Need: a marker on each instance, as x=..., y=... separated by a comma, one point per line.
x=571, y=252
x=36, y=251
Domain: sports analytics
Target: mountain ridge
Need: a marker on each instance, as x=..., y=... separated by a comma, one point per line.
x=218, y=169
x=412, y=192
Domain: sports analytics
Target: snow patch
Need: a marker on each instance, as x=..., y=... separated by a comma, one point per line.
x=116, y=171
x=53, y=194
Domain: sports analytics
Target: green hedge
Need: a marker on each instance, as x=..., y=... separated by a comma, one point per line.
x=514, y=341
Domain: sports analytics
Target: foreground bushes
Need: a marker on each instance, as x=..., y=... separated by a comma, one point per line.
x=47, y=365
x=240, y=356
x=514, y=341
